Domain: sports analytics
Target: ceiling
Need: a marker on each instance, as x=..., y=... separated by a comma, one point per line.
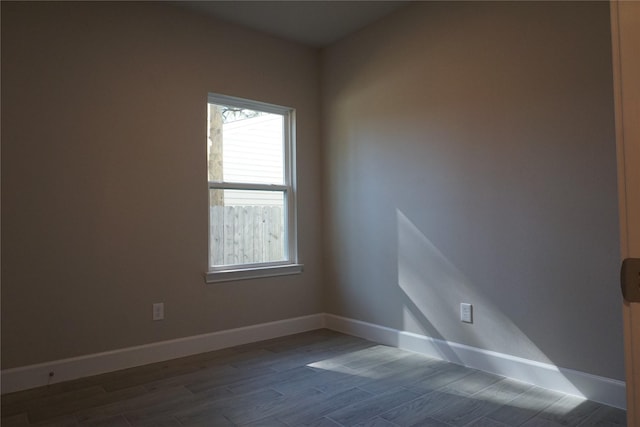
x=314, y=23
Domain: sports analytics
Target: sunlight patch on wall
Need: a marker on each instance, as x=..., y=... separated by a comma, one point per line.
x=433, y=289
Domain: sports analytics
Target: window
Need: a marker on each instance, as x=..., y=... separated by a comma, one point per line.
x=251, y=171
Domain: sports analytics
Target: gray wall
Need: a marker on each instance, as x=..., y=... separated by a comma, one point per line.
x=470, y=157
x=104, y=196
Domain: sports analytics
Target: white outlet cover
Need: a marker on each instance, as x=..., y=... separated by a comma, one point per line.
x=466, y=312
x=158, y=311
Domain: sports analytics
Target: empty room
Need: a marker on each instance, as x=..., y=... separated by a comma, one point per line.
x=326, y=213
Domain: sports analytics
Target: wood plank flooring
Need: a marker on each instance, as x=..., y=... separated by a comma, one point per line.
x=320, y=378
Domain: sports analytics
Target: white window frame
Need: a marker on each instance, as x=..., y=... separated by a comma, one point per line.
x=290, y=265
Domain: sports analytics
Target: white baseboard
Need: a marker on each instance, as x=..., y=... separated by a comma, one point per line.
x=605, y=390
x=31, y=376
x=599, y=389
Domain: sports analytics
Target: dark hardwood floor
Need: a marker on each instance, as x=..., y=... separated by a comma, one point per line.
x=320, y=378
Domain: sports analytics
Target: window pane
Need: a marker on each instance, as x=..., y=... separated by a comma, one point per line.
x=245, y=145
x=246, y=227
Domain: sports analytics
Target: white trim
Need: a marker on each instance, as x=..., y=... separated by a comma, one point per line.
x=213, y=185
x=252, y=272
x=599, y=389
x=26, y=377
x=291, y=174
x=249, y=104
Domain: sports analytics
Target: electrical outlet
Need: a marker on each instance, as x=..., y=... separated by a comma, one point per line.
x=158, y=311
x=466, y=312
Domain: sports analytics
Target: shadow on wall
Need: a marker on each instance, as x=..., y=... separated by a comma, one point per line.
x=432, y=289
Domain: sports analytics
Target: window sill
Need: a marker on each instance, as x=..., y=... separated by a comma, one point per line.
x=252, y=273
